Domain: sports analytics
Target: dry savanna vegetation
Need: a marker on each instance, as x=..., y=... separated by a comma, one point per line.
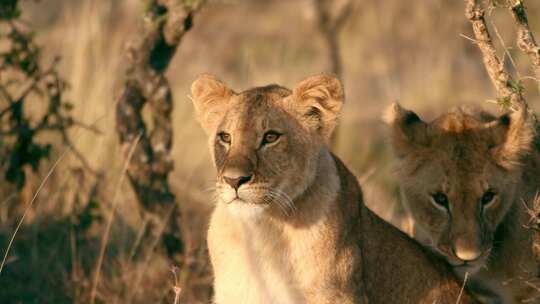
x=91, y=90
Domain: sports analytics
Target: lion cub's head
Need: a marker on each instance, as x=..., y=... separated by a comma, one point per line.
x=458, y=176
x=266, y=141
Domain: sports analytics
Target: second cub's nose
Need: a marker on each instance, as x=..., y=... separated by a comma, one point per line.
x=236, y=182
x=466, y=251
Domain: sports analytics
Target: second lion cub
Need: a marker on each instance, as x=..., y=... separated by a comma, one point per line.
x=460, y=178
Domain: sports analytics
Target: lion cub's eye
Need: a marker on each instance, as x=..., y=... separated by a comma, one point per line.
x=270, y=137
x=487, y=197
x=440, y=199
x=224, y=137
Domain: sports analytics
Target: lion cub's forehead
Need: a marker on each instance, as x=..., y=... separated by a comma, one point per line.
x=256, y=108
x=460, y=120
x=463, y=129
x=460, y=138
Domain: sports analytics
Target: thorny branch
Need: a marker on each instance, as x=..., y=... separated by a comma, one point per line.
x=510, y=91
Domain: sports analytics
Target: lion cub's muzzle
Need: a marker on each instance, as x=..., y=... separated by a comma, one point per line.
x=237, y=172
x=467, y=253
x=236, y=179
x=466, y=250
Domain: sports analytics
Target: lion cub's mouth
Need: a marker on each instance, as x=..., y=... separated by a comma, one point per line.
x=238, y=200
x=242, y=197
x=260, y=197
x=248, y=195
x=461, y=266
x=470, y=267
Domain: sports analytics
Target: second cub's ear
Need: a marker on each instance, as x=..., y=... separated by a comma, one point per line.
x=319, y=100
x=513, y=135
x=407, y=131
x=208, y=94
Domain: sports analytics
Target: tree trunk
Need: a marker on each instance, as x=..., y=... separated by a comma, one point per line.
x=167, y=21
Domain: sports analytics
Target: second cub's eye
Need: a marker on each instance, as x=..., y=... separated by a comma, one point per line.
x=487, y=197
x=270, y=137
x=440, y=199
x=224, y=137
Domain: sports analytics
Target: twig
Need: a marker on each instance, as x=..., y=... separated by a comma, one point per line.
x=462, y=287
x=468, y=38
x=176, y=287
x=152, y=244
x=525, y=38
x=32, y=85
x=30, y=206
x=505, y=50
x=105, y=238
x=67, y=141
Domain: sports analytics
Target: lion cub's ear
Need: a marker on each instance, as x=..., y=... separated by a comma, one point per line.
x=319, y=99
x=408, y=132
x=513, y=136
x=208, y=93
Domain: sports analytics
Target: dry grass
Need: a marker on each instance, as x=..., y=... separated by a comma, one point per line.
x=392, y=50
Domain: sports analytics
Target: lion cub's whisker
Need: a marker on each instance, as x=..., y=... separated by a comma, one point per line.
x=284, y=200
x=281, y=204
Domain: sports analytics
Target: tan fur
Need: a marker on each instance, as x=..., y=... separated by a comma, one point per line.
x=297, y=231
x=465, y=154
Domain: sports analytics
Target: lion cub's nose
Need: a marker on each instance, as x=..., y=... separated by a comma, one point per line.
x=466, y=251
x=236, y=182
x=238, y=171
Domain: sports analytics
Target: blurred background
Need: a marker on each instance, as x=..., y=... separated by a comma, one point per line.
x=413, y=52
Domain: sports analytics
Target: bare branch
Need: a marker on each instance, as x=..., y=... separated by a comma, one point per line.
x=343, y=15
x=86, y=165
x=330, y=25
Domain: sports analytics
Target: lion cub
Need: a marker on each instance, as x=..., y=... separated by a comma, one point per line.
x=460, y=177
x=290, y=225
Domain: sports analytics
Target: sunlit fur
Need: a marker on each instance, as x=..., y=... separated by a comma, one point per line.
x=464, y=154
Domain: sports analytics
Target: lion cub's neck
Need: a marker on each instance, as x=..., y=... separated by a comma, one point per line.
x=276, y=259
x=320, y=196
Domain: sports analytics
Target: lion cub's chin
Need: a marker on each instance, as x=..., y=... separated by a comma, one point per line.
x=460, y=267
x=246, y=210
x=471, y=269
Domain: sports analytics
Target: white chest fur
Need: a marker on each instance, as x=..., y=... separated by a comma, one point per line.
x=252, y=267
x=261, y=260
